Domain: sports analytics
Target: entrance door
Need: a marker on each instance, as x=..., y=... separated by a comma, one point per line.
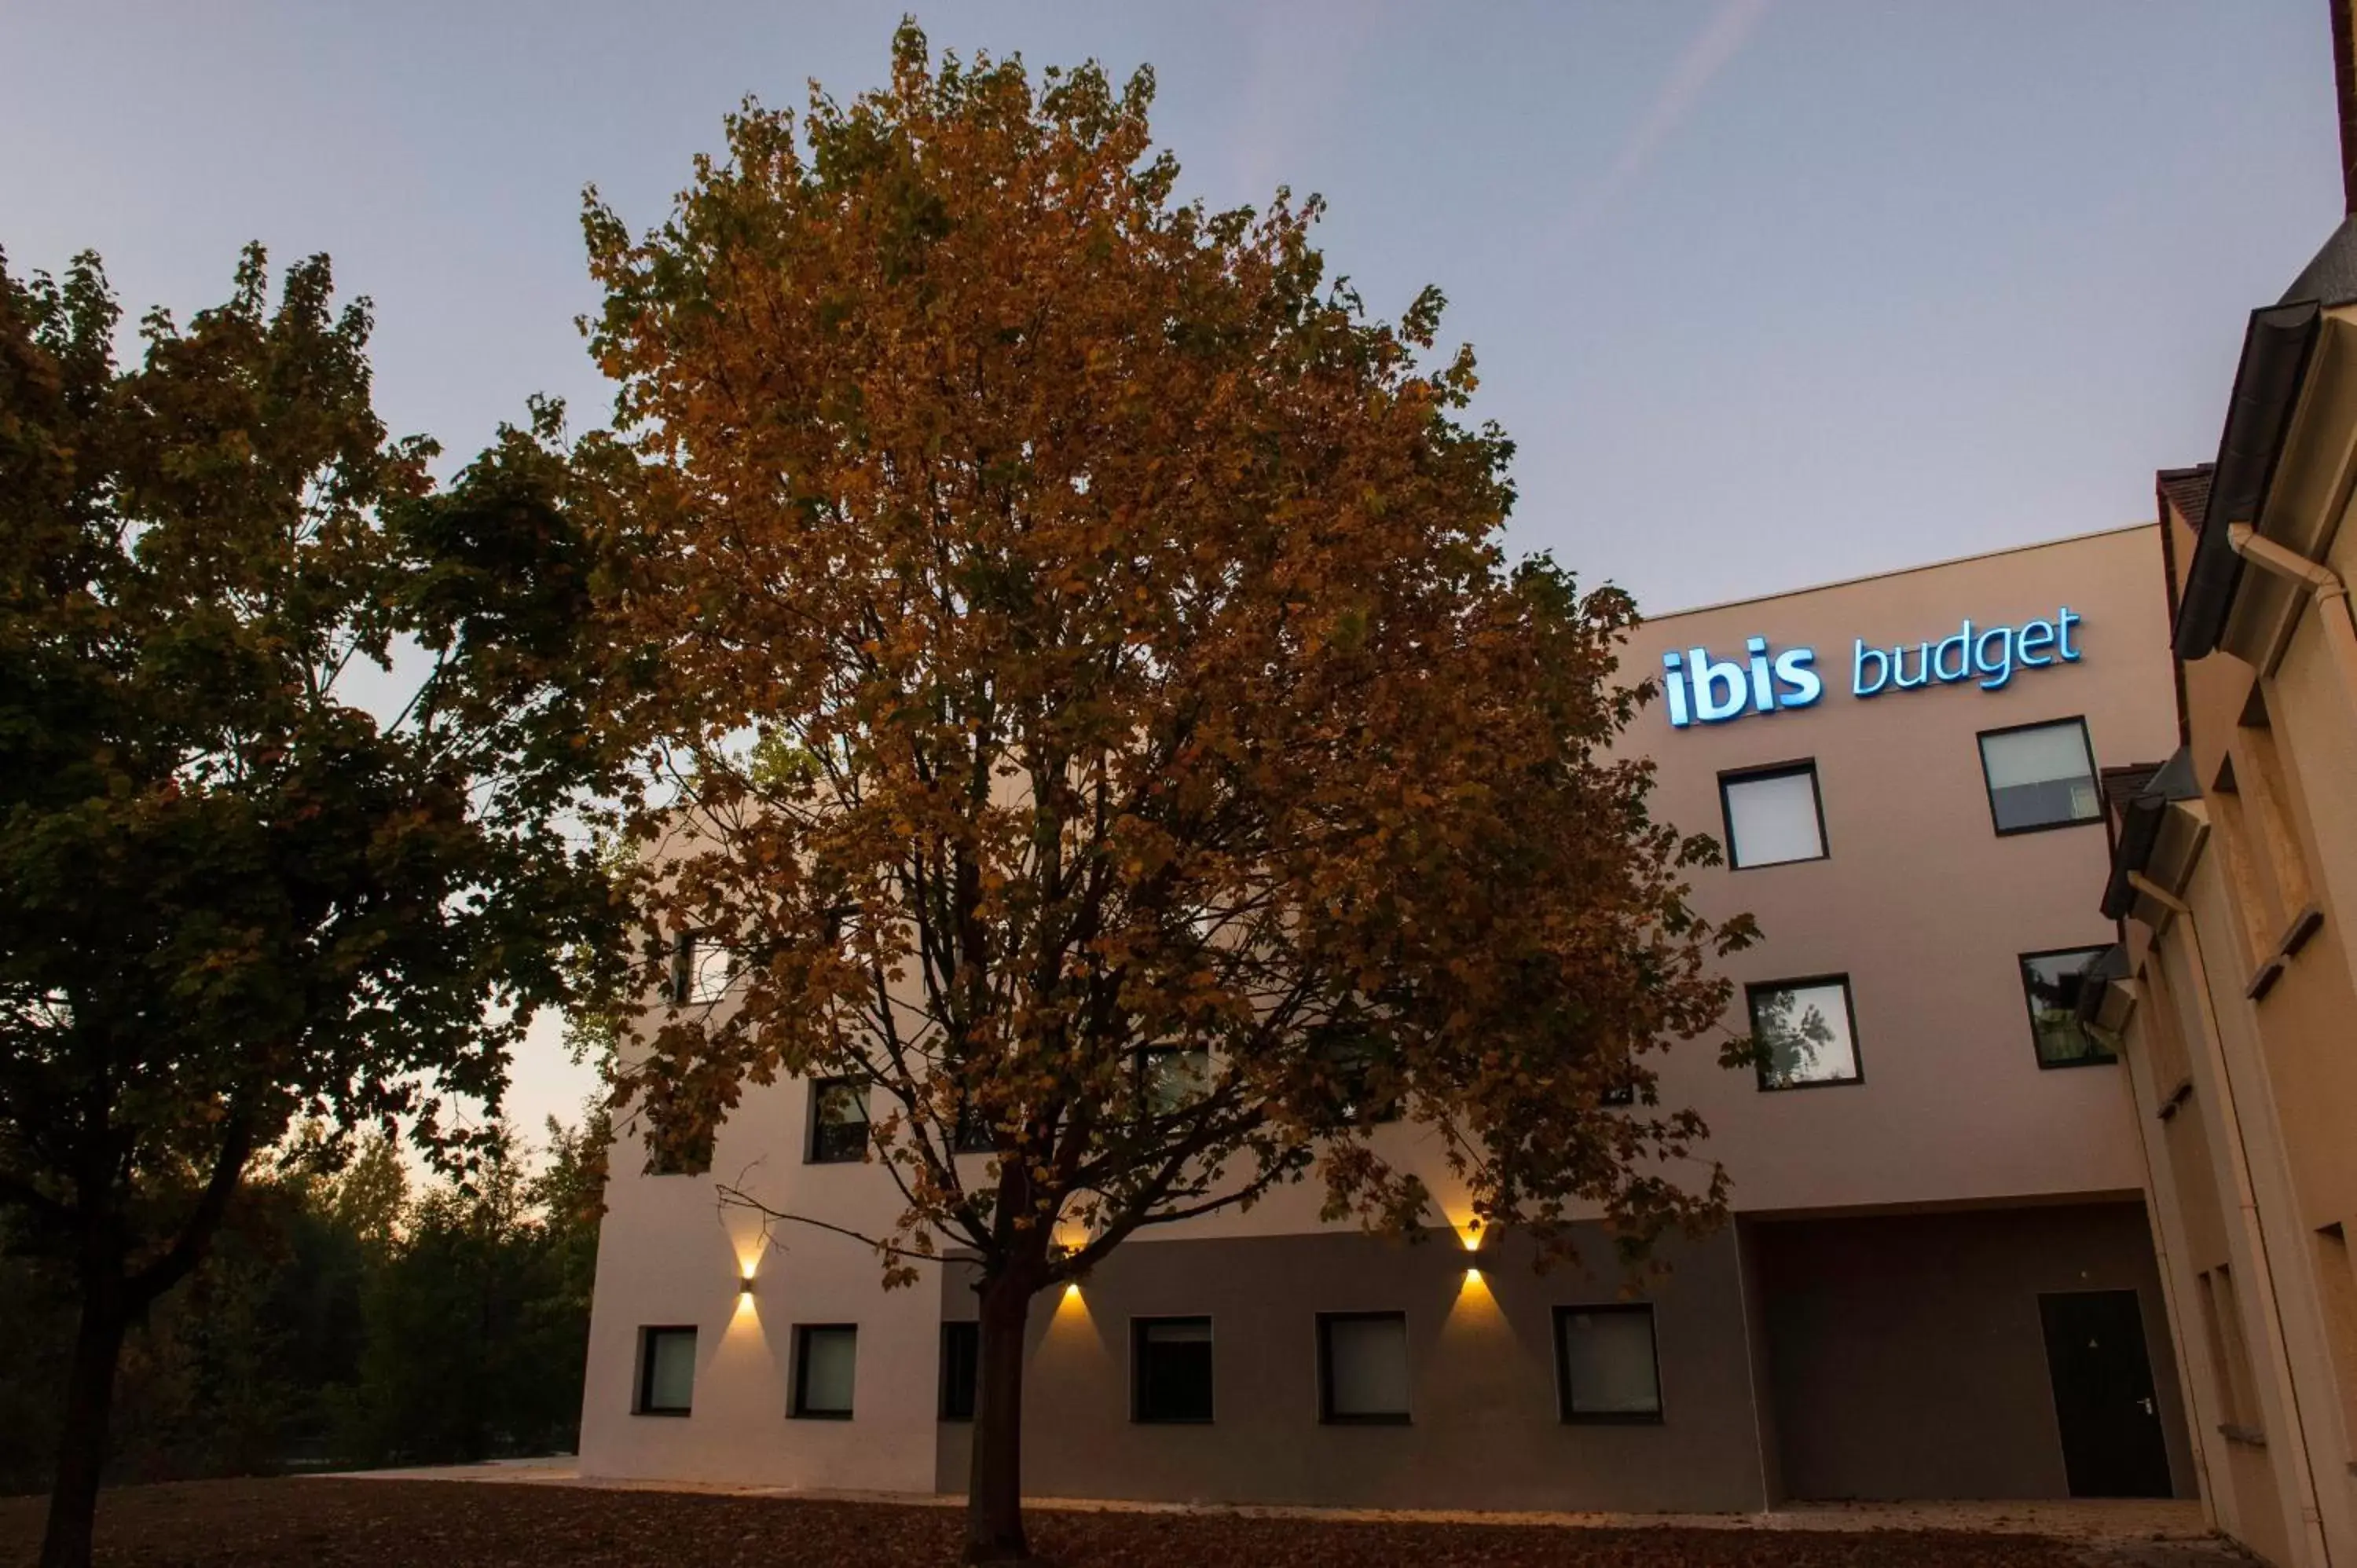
x=2112, y=1444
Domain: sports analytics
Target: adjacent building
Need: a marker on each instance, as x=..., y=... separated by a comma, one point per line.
x=2234, y=995
x=1940, y=1279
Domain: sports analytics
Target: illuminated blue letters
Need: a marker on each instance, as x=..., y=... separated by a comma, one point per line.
x=1711, y=678
x=1989, y=656
x=1714, y=691
x=1705, y=690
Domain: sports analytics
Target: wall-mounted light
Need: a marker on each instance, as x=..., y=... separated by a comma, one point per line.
x=1470, y=1234
x=745, y=1284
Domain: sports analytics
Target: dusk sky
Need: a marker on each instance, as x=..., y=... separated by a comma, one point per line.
x=1770, y=292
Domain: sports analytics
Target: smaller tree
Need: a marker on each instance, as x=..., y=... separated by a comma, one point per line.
x=1110, y=734
x=231, y=894
x=476, y=1322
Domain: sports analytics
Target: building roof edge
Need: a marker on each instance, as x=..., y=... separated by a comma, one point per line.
x=1900, y=570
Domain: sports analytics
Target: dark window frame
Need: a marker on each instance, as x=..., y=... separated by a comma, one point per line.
x=2022, y=969
x=1807, y=765
x=642, y=1387
x=1360, y=1107
x=970, y=1134
x=1849, y=1007
x=1142, y=1071
x=2087, y=748
x=1137, y=1331
x=1327, y=1414
x=800, y=1409
x=683, y=971
x=814, y=1151
x=1657, y=1416
x=957, y=1403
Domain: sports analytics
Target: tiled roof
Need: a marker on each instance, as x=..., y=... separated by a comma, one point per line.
x=2188, y=490
x=2330, y=279
x=2124, y=784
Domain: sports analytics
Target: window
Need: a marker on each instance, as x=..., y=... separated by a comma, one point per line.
x=702, y=970
x=1169, y=1079
x=2051, y=981
x=1606, y=1362
x=971, y=1134
x=690, y=1157
x=1362, y=1367
x=1806, y=1031
x=838, y=1129
x=2222, y=1322
x=1171, y=1364
x=1351, y=1084
x=961, y=1369
x=2040, y=775
x=825, y=1357
x=666, y=1371
x=2336, y=1277
x=1773, y=815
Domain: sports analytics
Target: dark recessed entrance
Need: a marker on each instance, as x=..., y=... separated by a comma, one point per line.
x=2111, y=1442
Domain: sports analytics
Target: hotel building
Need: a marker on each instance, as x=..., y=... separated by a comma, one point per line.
x=1940, y=1277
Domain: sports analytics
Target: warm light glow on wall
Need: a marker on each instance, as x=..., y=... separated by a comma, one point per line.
x=1071, y=1313
x=747, y=1265
x=1470, y=1234
x=1474, y=1305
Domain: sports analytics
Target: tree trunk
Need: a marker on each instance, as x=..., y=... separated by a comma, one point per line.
x=993, y=1503
x=81, y=1447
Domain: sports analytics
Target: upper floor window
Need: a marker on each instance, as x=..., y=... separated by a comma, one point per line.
x=972, y=1133
x=1171, y=1078
x=702, y=970
x=839, y=1120
x=1606, y=1365
x=1773, y=815
x=666, y=1372
x=1807, y=1032
x=2040, y=775
x=1353, y=1085
x=2053, y=981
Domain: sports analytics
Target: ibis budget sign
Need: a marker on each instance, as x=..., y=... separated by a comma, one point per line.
x=1702, y=689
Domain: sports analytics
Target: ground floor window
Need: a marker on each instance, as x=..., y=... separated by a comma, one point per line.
x=666, y=1372
x=961, y=1369
x=826, y=1356
x=1362, y=1367
x=1170, y=1360
x=1606, y=1362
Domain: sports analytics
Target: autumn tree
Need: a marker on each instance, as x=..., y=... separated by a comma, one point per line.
x=1104, y=721
x=232, y=895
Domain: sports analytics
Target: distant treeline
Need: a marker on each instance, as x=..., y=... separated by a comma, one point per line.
x=341, y=1320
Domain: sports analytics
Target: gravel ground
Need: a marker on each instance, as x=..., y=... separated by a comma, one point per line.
x=443, y=1524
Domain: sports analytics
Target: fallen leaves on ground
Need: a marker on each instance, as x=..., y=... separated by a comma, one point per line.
x=445, y=1524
